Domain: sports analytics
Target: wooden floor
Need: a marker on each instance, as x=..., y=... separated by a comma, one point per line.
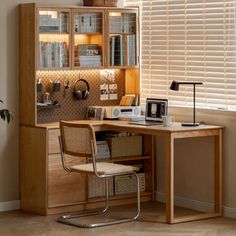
x=17, y=223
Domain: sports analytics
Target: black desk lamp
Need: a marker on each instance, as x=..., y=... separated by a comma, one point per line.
x=175, y=86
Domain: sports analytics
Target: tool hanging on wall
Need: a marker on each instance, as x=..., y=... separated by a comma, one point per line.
x=67, y=84
x=81, y=94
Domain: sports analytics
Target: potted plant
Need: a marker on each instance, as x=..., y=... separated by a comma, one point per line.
x=5, y=114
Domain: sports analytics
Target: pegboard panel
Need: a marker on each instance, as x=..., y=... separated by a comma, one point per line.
x=70, y=108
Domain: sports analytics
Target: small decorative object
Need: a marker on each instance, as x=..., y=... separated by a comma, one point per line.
x=46, y=98
x=175, y=86
x=5, y=114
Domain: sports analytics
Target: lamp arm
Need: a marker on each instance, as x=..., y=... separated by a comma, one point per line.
x=194, y=83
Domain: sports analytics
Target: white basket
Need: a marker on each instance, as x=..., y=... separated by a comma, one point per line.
x=127, y=183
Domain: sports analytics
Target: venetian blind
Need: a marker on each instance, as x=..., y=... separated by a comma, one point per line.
x=189, y=40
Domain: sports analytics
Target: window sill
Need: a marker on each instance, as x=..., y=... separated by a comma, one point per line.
x=201, y=113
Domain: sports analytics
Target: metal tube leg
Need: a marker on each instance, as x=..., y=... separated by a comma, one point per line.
x=66, y=218
x=138, y=196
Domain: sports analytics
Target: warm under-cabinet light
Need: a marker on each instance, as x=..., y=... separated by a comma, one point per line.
x=53, y=14
x=115, y=14
x=54, y=38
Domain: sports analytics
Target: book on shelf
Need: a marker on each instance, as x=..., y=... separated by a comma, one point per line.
x=89, y=49
x=131, y=50
x=64, y=22
x=49, y=24
x=115, y=24
x=103, y=151
x=112, y=50
x=88, y=23
x=94, y=60
x=53, y=54
x=116, y=50
x=95, y=113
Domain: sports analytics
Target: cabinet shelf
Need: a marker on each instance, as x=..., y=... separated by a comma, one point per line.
x=54, y=33
x=119, y=33
x=88, y=33
x=50, y=106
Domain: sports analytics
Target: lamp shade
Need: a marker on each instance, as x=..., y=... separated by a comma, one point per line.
x=174, y=85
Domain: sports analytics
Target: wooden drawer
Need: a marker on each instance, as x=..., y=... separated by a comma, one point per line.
x=53, y=145
x=65, y=188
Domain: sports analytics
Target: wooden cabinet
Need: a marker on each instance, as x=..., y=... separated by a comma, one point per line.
x=72, y=38
x=46, y=188
x=66, y=42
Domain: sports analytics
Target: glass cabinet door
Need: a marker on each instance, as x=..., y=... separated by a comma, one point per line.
x=54, y=39
x=122, y=39
x=88, y=39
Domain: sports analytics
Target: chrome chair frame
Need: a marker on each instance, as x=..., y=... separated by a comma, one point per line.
x=65, y=219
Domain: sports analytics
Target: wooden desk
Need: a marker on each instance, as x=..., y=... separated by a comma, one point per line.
x=170, y=134
x=43, y=149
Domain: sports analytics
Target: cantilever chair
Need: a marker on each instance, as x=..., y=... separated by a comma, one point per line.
x=79, y=140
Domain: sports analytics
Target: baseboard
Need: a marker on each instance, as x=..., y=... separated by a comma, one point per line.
x=229, y=212
x=197, y=205
x=9, y=206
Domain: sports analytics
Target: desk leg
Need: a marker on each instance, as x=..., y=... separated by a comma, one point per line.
x=169, y=154
x=218, y=173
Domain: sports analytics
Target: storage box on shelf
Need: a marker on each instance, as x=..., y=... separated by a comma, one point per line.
x=126, y=184
x=125, y=146
x=96, y=186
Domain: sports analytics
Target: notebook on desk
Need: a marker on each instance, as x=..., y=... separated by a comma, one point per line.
x=155, y=109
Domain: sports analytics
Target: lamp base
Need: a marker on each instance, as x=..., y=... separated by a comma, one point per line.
x=190, y=124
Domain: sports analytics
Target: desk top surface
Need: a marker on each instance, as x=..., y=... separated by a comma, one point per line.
x=125, y=126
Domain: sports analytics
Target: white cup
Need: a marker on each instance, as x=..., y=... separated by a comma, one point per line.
x=168, y=121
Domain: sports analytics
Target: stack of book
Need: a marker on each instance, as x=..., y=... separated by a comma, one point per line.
x=103, y=151
x=88, y=55
x=49, y=24
x=92, y=61
x=53, y=54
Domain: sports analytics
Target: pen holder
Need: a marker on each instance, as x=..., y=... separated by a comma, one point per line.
x=39, y=88
x=56, y=87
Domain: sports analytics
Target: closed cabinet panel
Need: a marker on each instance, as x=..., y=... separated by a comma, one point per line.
x=65, y=188
x=53, y=146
